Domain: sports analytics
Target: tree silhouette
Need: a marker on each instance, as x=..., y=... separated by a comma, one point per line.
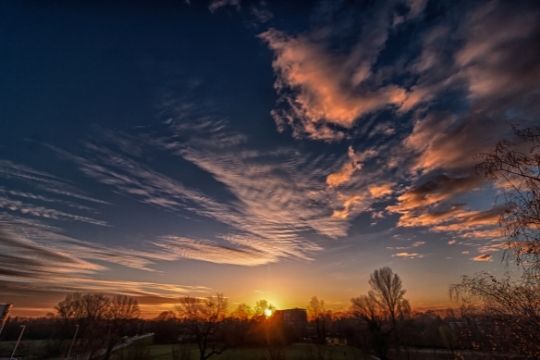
x=261, y=306
x=242, y=312
x=97, y=314
x=89, y=312
x=320, y=316
x=382, y=308
x=515, y=165
x=510, y=312
x=202, y=319
x=511, y=308
x=121, y=309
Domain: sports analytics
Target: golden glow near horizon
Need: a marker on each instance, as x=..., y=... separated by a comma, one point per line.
x=268, y=312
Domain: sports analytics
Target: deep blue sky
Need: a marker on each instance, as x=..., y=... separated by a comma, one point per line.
x=262, y=149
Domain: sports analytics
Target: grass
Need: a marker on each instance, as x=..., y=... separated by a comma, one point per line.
x=32, y=349
x=292, y=352
x=28, y=349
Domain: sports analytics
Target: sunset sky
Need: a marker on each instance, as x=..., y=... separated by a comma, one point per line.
x=262, y=149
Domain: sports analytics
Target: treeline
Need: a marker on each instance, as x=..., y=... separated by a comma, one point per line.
x=380, y=322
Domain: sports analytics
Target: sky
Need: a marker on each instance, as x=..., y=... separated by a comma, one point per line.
x=263, y=149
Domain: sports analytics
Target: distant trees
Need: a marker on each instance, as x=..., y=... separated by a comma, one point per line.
x=202, y=320
x=382, y=308
x=165, y=327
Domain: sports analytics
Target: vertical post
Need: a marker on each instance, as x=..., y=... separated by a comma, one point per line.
x=4, y=311
x=73, y=341
x=3, y=322
x=18, y=341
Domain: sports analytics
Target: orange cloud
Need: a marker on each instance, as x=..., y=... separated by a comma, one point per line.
x=408, y=255
x=344, y=174
x=482, y=258
x=380, y=190
x=434, y=191
x=348, y=205
x=325, y=86
x=341, y=176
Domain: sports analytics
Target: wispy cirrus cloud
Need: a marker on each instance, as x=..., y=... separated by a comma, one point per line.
x=36, y=257
x=15, y=205
x=43, y=181
x=275, y=200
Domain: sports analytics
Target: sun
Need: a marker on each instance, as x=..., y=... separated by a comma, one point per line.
x=268, y=312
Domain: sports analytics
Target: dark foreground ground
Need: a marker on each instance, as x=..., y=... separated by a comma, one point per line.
x=30, y=350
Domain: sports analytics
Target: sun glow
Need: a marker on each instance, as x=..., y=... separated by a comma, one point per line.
x=268, y=312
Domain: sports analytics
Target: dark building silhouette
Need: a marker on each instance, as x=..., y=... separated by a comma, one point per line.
x=292, y=321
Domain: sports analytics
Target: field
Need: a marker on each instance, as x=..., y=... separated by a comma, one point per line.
x=292, y=352
x=32, y=349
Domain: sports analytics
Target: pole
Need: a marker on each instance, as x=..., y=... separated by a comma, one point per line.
x=18, y=341
x=2, y=325
x=73, y=341
x=4, y=311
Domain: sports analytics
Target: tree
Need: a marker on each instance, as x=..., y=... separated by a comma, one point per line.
x=510, y=312
x=166, y=316
x=96, y=314
x=89, y=312
x=320, y=316
x=388, y=293
x=121, y=310
x=510, y=309
x=382, y=308
x=242, y=312
x=165, y=327
x=515, y=165
x=203, y=318
x=261, y=307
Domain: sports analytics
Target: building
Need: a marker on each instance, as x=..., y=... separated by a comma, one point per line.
x=293, y=322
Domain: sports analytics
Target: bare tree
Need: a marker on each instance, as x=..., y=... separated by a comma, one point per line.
x=203, y=320
x=509, y=312
x=382, y=308
x=89, y=311
x=515, y=165
x=97, y=314
x=387, y=290
x=510, y=309
x=121, y=310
